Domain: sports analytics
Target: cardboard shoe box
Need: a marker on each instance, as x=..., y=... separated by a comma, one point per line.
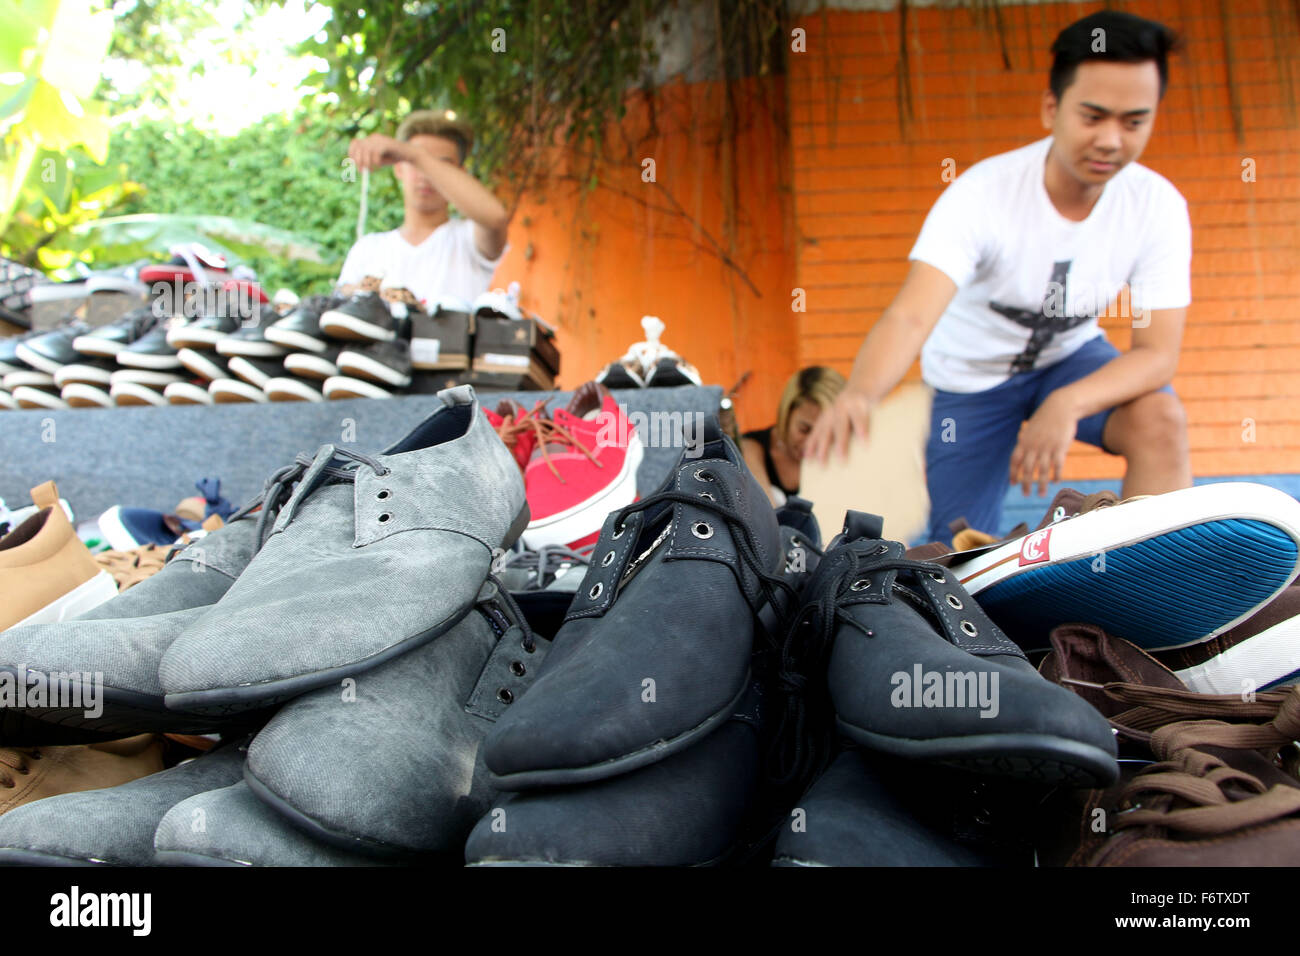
x=442, y=341
x=513, y=347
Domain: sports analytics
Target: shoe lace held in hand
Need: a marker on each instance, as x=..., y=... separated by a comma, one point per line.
x=1194, y=792
x=14, y=760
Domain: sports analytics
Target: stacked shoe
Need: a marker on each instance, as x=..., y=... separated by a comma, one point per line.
x=649, y=363
x=649, y=736
x=1141, y=569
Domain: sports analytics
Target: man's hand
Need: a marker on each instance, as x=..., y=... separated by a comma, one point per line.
x=377, y=150
x=850, y=415
x=1044, y=440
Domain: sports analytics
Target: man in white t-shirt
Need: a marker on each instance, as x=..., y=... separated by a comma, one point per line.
x=1017, y=259
x=432, y=254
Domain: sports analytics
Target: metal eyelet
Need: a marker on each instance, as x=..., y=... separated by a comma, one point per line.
x=1059, y=513
x=882, y=549
x=528, y=648
x=504, y=695
x=702, y=530
x=954, y=602
x=386, y=517
x=384, y=495
x=968, y=629
x=617, y=534
x=607, y=560
x=861, y=585
x=705, y=494
x=702, y=474
x=937, y=575
x=596, y=591
x=517, y=668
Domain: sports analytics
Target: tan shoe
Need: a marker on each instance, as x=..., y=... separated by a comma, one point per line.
x=32, y=773
x=46, y=573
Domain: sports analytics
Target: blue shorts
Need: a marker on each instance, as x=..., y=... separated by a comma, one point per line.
x=972, y=436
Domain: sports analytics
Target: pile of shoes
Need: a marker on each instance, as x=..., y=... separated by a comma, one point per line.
x=715, y=687
x=649, y=364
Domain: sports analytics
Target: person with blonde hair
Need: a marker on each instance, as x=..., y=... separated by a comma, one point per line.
x=432, y=253
x=775, y=454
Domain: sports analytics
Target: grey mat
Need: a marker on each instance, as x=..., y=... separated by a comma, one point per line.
x=150, y=457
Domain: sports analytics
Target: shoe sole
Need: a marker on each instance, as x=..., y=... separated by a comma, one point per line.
x=142, y=360
x=81, y=375
x=12, y=856
x=362, y=366
x=196, y=339
x=1039, y=757
x=232, y=347
x=1167, y=582
x=86, y=596
x=81, y=395
x=569, y=525
x=1260, y=662
x=295, y=340
x=124, y=713
x=227, y=391
x=249, y=372
x=343, y=386
x=291, y=390
x=185, y=858
x=185, y=393
x=36, y=360
x=311, y=366
x=28, y=396
x=133, y=393
x=29, y=378
x=96, y=346
x=226, y=701
x=340, y=325
x=201, y=365
x=659, y=750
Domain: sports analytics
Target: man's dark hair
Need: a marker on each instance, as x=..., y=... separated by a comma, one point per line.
x=1123, y=38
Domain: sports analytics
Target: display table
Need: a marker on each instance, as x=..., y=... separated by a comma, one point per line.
x=150, y=457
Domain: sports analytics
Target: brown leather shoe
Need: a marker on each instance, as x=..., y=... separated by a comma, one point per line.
x=32, y=773
x=1211, y=779
x=46, y=573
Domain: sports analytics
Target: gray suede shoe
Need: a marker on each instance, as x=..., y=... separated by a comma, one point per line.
x=231, y=827
x=368, y=559
x=389, y=764
x=122, y=642
x=115, y=826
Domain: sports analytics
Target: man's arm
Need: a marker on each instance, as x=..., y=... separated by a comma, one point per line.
x=1148, y=365
x=886, y=354
x=475, y=201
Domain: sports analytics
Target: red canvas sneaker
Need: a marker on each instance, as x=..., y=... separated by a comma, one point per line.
x=584, y=467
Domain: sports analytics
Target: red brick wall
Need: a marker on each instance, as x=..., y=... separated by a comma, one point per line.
x=864, y=180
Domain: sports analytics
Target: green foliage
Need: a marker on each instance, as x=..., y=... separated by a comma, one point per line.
x=527, y=74
x=286, y=172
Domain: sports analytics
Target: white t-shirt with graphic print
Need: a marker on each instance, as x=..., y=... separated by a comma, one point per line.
x=447, y=263
x=1031, y=283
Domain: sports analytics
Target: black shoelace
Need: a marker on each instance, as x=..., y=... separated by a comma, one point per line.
x=279, y=487
x=804, y=740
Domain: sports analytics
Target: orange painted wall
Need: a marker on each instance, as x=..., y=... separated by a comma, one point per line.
x=594, y=262
x=864, y=181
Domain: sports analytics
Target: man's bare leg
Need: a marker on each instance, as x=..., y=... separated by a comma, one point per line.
x=1151, y=433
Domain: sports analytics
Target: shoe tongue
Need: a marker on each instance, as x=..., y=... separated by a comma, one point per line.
x=860, y=524
x=1084, y=652
x=709, y=442
x=1066, y=503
